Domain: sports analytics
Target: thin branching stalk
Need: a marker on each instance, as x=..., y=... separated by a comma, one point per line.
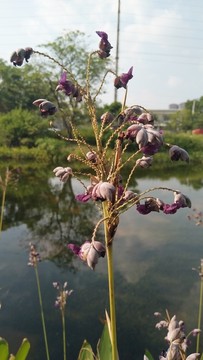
x=56, y=62
x=124, y=100
x=42, y=312
x=64, y=333
x=4, y=189
x=2, y=208
x=88, y=74
x=102, y=82
x=109, y=253
x=199, y=313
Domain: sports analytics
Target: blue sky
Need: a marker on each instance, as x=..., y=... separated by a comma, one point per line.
x=161, y=39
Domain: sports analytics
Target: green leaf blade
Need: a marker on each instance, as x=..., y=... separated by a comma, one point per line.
x=4, y=350
x=104, y=347
x=86, y=352
x=23, y=350
x=149, y=355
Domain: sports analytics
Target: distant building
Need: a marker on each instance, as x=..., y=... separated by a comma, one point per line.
x=174, y=106
x=162, y=116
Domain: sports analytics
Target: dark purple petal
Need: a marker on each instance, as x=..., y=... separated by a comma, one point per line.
x=102, y=35
x=126, y=77
x=122, y=80
x=74, y=248
x=83, y=197
x=62, y=80
x=150, y=149
x=143, y=209
x=170, y=208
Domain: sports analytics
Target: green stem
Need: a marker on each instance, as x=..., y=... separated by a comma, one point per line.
x=42, y=313
x=64, y=334
x=2, y=208
x=109, y=252
x=199, y=314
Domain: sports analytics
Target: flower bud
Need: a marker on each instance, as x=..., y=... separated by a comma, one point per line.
x=144, y=162
x=91, y=156
x=63, y=173
x=177, y=153
x=182, y=200
x=132, y=131
x=107, y=117
x=46, y=107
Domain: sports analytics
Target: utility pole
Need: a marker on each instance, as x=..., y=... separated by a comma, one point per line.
x=117, y=44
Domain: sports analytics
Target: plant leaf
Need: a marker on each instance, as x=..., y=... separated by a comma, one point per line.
x=104, y=348
x=4, y=351
x=23, y=350
x=148, y=355
x=86, y=352
x=109, y=324
x=201, y=357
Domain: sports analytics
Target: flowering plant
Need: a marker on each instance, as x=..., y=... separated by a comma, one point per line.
x=133, y=125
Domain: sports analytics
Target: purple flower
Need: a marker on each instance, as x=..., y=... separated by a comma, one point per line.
x=144, y=162
x=89, y=252
x=132, y=131
x=177, y=153
x=107, y=118
x=122, y=80
x=62, y=294
x=170, y=208
x=104, y=191
x=68, y=87
x=86, y=196
x=145, y=118
x=46, y=107
x=34, y=256
x=151, y=204
x=20, y=55
x=63, y=173
x=91, y=156
x=182, y=200
x=83, y=197
x=143, y=209
x=104, y=45
x=150, y=149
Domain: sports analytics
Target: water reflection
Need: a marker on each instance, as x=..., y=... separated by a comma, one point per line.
x=153, y=259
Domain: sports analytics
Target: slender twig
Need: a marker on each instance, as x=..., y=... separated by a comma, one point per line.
x=199, y=313
x=64, y=333
x=42, y=312
x=2, y=208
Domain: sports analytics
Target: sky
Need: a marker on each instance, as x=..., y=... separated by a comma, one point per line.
x=161, y=39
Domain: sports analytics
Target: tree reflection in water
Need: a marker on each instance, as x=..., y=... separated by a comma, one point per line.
x=52, y=215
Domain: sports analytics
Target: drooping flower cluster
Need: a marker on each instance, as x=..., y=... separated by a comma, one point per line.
x=155, y=204
x=34, y=256
x=176, y=339
x=63, y=173
x=62, y=295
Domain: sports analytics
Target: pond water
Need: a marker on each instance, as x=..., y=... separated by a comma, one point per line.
x=153, y=257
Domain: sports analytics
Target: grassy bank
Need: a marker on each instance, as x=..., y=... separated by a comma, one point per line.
x=57, y=150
